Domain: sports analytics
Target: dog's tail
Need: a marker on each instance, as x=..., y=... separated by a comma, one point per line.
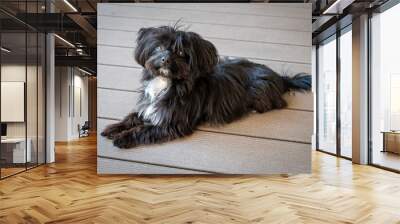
x=299, y=82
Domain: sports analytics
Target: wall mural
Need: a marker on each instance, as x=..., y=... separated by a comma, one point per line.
x=200, y=88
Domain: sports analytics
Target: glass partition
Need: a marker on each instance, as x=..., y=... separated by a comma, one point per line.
x=13, y=94
x=22, y=78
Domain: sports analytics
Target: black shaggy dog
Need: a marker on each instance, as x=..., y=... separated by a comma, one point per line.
x=185, y=83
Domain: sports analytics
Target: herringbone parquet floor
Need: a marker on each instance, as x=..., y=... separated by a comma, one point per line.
x=69, y=191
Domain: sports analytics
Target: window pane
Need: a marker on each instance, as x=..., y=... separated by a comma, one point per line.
x=386, y=89
x=327, y=96
x=346, y=94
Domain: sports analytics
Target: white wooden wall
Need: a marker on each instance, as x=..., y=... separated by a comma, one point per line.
x=277, y=35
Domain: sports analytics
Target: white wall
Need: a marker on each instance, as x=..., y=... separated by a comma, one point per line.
x=79, y=117
x=61, y=103
x=69, y=82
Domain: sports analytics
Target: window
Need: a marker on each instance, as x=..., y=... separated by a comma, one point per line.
x=385, y=89
x=346, y=92
x=334, y=106
x=327, y=96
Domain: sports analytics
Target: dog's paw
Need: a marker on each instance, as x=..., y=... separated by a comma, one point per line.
x=106, y=133
x=111, y=131
x=124, y=140
x=109, y=135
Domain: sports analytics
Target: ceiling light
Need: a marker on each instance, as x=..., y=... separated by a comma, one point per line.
x=79, y=51
x=338, y=6
x=65, y=41
x=70, y=5
x=84, y=71
x=333, y=6
x=5, y=50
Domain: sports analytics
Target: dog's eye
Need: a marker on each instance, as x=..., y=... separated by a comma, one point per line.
x=159, y=48
x=181, y=53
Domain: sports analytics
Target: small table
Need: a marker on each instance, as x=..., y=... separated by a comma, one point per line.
x=17, y=150
x=391, y=141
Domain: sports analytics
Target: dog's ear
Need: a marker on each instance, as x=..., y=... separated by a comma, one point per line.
x=144, y=32
x=141, y=51
x=205, y=53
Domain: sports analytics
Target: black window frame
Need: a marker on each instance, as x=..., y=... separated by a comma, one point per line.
x=342, y=27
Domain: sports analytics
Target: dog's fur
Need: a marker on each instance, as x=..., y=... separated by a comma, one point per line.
x=185, y=84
